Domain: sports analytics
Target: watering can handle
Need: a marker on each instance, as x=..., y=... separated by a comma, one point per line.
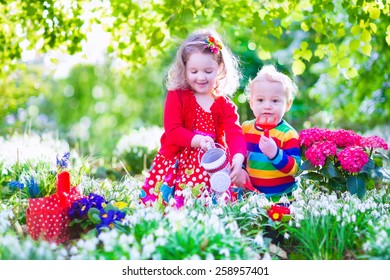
x=208, y=147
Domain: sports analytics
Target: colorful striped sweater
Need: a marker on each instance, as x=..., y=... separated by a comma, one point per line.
x=273, y=177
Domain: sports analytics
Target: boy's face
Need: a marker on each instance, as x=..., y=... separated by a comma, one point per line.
x=269, y=99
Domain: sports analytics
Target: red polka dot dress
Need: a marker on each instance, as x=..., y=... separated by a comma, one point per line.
x=169, y=178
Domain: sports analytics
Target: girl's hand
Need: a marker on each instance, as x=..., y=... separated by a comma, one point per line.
x=202, y=141
x=268, y=146
x=236, y=167
x=205, y=142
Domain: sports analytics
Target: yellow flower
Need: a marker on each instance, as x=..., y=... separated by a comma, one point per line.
x=120, y=204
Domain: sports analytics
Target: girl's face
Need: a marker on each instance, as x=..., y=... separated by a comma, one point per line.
x=201, y=72
x=269, y=99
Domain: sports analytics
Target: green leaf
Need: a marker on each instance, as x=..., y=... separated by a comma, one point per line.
x=330, y=169
x=313, y=176
x=352, y=73
x=264, y=55
x=319, y=53
x=307, y=54
x=369, y=166
x=374, y=12
x=333, y=72
x=345, y=62
x=356, y=185
x=94, y=215
x=110, y=206
x=370, y=184
x=355, y=30
x=354, y=45
x=307, y=165
x=337, y=183
x=298, y=67
x=366, y=49
x=157, y=37
x=388, y=35
x=365, y=36
x=304, y=26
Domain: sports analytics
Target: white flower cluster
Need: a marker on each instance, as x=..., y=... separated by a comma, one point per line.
x=30, y=148
x=143, y=137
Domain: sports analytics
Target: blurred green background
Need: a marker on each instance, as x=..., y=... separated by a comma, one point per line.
x=92, y=72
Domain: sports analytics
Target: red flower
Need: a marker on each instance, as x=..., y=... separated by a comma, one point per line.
x=277, y=212
x=211, y=39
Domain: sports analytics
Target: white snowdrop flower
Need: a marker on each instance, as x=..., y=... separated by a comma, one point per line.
x=73, y=250
x=149, y=216
x=187, y=193
x=286, y=236
x=259, y=240
x=129, y=220
x=148, y=250
x=333, y=211
x=126, y=239
x=254, y=211
x=353, y=218
x=225, y=252
x=195, y=257
x=232, y=226
x=161, y=241
x=284, y=199
x=62, y=253
x=135, y=254
x=267, y=257
x=160, y=232
x=89, y=244
x=172, y=202
x=375, y=214
x=217, y=211
x=108, y=239
x=193, y=214
x=244, y=208
x=210, y=256
x=147, y=239
x=316, y=213
x=41, y=251
x=366, y=246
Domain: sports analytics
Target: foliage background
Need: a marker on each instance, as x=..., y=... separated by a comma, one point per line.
x=336, y=51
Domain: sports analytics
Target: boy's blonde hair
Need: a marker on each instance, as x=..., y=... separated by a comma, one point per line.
x=270, y=74
x=227, y=82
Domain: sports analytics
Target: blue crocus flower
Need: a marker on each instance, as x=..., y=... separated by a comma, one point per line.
x=16, y=185
x=64, y=161
x=33, y=188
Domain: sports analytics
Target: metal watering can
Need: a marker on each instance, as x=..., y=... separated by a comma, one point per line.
x=215, y=161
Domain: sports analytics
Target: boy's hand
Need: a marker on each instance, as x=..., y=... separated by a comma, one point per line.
x=242, y=177
x=237, y=161
x=268, y=146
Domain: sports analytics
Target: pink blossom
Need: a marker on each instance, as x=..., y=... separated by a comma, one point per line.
x=373, y=142
x=318, y=152
x=307, y=137
x=352, y=159
x=346, y=138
